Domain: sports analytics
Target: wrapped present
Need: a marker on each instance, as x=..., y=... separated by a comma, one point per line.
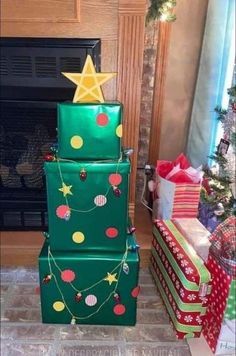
x=178, y=189
x=196, y=234
x=89, y=130
x=94, y=288
x=181, y=277
x=223, y=241
x=87, y=205
x=219, y=325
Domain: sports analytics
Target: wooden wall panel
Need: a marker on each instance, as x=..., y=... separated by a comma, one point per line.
x=164, y=31
x=40, y=10
x=130, y=65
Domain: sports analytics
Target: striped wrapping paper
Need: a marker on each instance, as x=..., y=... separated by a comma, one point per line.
x=186, y=199
x=181, y=278
x=177, y=200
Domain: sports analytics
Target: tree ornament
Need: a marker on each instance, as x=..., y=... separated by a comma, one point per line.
x=125, y=268
x=78, y=297
x=128, y=152
x=46, y=235
x=83, y=175
x=110, y=278
x=116, y=191
x=131, y=230
x=54, y=148
x=65, y=189
x=73, y=321
x=88, y=83
x=49, y=157
x=219, y=210
x=234, y=107
x=47, y=278
x=133, y=248
x=116, y=297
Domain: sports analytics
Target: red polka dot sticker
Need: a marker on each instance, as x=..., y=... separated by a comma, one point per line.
x=111, y=232
x=91, y=300
x=119, y=309
x=67, y=275
x=100, y=200
x=135, y=292
x=102, y=119
x=115, y=179
x=63, y=212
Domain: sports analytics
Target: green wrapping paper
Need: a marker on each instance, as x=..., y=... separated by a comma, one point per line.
x=89, y=130
x=75, y=288
x=91, y=213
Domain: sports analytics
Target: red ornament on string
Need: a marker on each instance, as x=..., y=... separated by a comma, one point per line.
x=116, y=297
x=83, y=175
x=78, y=297
x=47, y=278
x=116, y=191
x=49, y=157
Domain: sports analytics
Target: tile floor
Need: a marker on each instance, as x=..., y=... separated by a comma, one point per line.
x=22, y=332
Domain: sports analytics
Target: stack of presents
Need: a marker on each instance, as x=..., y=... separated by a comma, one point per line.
x=194, y=270
x=89, y=263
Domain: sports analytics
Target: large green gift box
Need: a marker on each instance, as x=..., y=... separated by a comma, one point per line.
x=87, y=204
x=89, y=130
x=89, y=288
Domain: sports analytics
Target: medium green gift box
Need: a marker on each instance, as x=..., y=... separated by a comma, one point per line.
x=87, y=204
x=89, y=130
x=89, y=288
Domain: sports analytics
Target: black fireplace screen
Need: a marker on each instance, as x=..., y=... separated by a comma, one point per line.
x=31, y=86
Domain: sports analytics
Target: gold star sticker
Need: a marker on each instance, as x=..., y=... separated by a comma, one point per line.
x=88, y=82
x=110, y=278
x=65, y=189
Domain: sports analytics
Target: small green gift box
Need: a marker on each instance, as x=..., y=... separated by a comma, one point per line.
x=89, y=130
x=89, y=288
x=87, y=204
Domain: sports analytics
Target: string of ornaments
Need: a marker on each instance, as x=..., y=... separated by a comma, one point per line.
x=68, y=276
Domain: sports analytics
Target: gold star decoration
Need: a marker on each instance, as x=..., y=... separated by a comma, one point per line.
x=65, y=189
x=88, y=83
x=110, y=278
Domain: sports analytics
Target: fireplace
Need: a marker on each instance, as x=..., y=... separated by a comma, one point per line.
x=31, y=87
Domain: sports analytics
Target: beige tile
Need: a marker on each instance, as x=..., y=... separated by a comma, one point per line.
x=28, y=332
x=82, y=350
x=89, y=332
x=24, y=301
x=156, y=350
x=14, y=315
x=152, y=317
x=199, y=346
x=146, y=333
x=26, y=349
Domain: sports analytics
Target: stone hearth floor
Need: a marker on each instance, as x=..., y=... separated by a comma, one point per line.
x=22, y=332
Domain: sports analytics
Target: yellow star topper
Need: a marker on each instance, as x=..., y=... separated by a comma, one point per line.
x=110, y=278
x=88, y=83
x=65, y=189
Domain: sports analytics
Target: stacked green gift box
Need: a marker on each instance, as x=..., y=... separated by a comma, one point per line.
x=89, y=262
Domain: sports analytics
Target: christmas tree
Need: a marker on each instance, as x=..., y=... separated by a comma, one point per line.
x=219, y=180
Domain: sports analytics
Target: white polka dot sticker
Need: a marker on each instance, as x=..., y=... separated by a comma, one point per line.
x=100, y=200
x=91, y=300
